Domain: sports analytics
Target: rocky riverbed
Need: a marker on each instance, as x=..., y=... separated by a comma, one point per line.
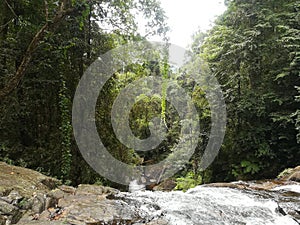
x=28, y=197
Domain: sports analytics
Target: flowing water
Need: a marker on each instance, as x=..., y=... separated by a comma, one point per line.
x=220, y=206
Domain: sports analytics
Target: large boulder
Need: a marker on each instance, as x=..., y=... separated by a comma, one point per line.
x=88, y=204
x=290, y=174
x=25, y=181
x=28, y=198
x=22, y=189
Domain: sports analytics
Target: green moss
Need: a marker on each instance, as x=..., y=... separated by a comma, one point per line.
x=285, y=172
x=189, y=181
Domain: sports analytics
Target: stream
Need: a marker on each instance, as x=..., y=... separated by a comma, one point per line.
x=30, y=198
x=220, y=206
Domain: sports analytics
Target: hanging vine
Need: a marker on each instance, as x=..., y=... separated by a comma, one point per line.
x=66, y=131
x=165, y=74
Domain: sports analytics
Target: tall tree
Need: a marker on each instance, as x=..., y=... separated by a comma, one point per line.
x=254, y=52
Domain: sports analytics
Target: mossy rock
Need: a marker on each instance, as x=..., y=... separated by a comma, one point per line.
x=27, y=182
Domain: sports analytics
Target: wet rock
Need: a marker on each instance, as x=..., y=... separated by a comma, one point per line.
x=261, y=185
x=155, y=222
x=158, y=222
x=240, y=185
x=290, y=174
x=294, y=176
x=166, y=185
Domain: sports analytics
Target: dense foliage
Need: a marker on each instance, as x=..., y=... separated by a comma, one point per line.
x=253, y=50
x=45, y=48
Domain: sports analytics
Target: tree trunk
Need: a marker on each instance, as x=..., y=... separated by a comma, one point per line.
x=20, y=72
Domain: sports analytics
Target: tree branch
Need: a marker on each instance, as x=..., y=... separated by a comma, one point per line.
x=11, y=9
x=46, y=11
x=20, y=72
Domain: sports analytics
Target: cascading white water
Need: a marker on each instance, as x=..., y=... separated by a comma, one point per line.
x=134, y=186
x=212, y=206
x=293, y=188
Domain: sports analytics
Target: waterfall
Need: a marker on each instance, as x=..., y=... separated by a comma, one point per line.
x=134, y=186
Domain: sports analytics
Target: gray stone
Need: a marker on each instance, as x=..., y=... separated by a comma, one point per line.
x=7, y=209
x=86, y=189
x=45, y=223
x=13, y=198
x=39, y=203
x=57, y=194
x=82, y=209
x=158, y=222
x=67, y=189
x=25, y=181
x=9, y=212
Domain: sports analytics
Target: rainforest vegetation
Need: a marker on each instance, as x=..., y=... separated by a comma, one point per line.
x=253, y=50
